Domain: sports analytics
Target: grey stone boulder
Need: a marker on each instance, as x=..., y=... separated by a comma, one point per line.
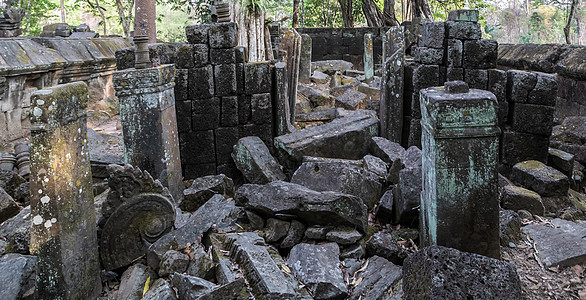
x=173, y=262
x=510, y=227
x=233, y=290
x=385, y=245
x=376, y=166
x=10, y=182
x=331, y=66
x=407, y=196
x=380, y=279
x=160, y=290
x=319, y=77
x=253, y=159
x=352, y=100
x=133, y=281
x=16, y=230
x=561, y=160
x=276, y=229
x=562, y=246
x=438, y=272
x=17, y=275
x=294, y=235
x=517, y=198
x=571, y=137
x=384, y=209
x=344, y=176
x=203, y=188
x=8, y=208
x=309, y=206
x=343, y=235
x=317, y=266
x=317, y=97
x=190, y=287
x=317, y=232
x=201, y=264
x=544, y=180
x=355, y=251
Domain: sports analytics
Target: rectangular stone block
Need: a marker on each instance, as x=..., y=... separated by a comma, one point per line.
x=183, y=112
x=263, y=131
x=197, y=147
x=453, y=74
x=240, y=88
x=414, y=137
x=261, y=108
x=531, y=118
x=225, y=79
x=241, y=54
x=244, y=110
x=391, y=106
x=463, y=30
x=503, y=113
x=200, y=55
x=497, y=84
x=433, y=35
x=195, y=171
x=201, y=83
x=476, y=78
x=223, y=35
x=454, y=53
x=229, y=114
x=519, y=84
x=222, y=56
x=480, y=54
x=257, y=78
x=517, y=147
x=545, y=91
x=226, y=138
x=466, y=15
x=429, y=56
x=181, y=84
x=205, y=114
x=197, y=34
x=425, y=76
x=184, y=56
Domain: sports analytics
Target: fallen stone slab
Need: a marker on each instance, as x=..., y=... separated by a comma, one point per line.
x=571, y=137
x=562, y=246
x=233, y=290
x=317, y=97
x=315, y=116
x=344, y=176
x=253, y=159
x=544, y=180
x=407, y=198
x=133, y=281
x=380, y=279
x=317, y=266
x=343, y=236
x=263, y=274
x=204, y=188
x=311, y=207
x=201, y=264
x=173, y=262
x=517, y=198
x=17, y=275
x=385, y=245
x=352, y=100
x=438, y=272
x=8, y=208
x=347, y=138
x=190, y=287
x=319, y=77
x=561, y=160
x=330, y=67
x=160, y=290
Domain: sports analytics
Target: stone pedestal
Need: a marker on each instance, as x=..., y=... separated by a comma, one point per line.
x=149, y=124
x=368, y=57
x=459, y=201
x=63, y=232
x=391, y=104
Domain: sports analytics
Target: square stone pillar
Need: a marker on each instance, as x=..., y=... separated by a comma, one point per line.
x=459, y=201
x=391, y=104
x=149, y=123
x=368, y=57
x=305, y=59
x=63, y=230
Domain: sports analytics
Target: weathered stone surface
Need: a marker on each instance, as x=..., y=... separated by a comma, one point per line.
x=190, y=287
x=544, y=180
x=517, y=147
x=262, y=273
x=407, y=196
x=305, y=59
x=203, y=188
x=384, y=244
x=561, y=160
x=17, y=275
x=197, y=34
x=137, y=209
x=386, y=150
x=200, y=82
x=352, y=100
x=533, y=119
x=376, y=166
x=517, y=198
x=545, y=91
x=348, y=177
x=354, y=251
x=317, y=266
x=571, y=137
x=253, y=159
x=173, y=262
x=437, y=272
x=563, y=245
x=433, y=34
x=222, y=35
x=322, y=208
x=510, y=227
x=63, y=234
x=384, y=209
x=133, y=281
x=202, y=264
x=10, y=181
x=225, y=82
x=257, y=77
x=294, y=235
x=8, y=208
x=343, y=235
x=160, y=290
x=222, y=56
x=319, y=77
x=12, y=225
x=347, y=138
x=233, y=290
x=331, y=66
x=463, y=30
x=381, y=278
x=519, y=85
x=276, y=229
x=480, y=54
x=317, y=232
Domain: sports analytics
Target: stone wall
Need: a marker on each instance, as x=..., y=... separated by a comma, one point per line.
x=566, y=61
x=343, y=43
x=30, y=64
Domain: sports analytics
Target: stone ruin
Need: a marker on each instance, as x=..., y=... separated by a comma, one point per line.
x=235, y=182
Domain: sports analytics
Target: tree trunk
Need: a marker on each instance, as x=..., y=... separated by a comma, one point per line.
x=144, y=19
x=123, y=20
x=62, y=6
x=389, y=18
x=295, y=19
x=101, y=10
x=569, y=23
x=373, y=15
x=251, y=24
x=420, y=9
x=347, y=17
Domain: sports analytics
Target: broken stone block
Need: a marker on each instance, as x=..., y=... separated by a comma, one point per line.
x=317, y=266
x=407, y=196
x=476, y=78
x=519, y=85
x=225, y=79
x=384, y=209
x=343, y=235
x=317, y=232
x=561, y=160
x=454, y=53
x=261, y=109
x=16, y=231
x=203, y=188
x=190, y=287
x=545, y=91
x=160, y=290
x=201, y=265
x=533, y=119
x=544, y=180
x=330, y=67
x=319, y=77
x=276, y=229
x=480, y=54
x=376, y=166
x=437, y=272
x=429, y=56
x=463, y=15
x=463, y=30
x=433, y=34
x=224, y=270
x=342, y=176
x=229, y=111
x=222, y=56
x=197, y=34
x=10, y=182
x=133, y=281
x=352, y=100
x=8, y=208
x=311, y=207
x=510, y=227
x=233, y=290
x=347, y=138
x=454, y=74
x=200, y=82
x=17, y=275
x=497, y=84
x=380, y=279
x=223, y=35
x=253, y=159
x=355, y=251
x=518, y=146
x=294, y=235
x=570, y=137
x=384, y=244
x=517, y=198
x=264, y=275
x=563, y=245
x=173, y=262
x=184, y=56
x=386, y=150
x=257, y=77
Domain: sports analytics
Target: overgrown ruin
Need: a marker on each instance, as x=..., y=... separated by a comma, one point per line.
x=411, y=162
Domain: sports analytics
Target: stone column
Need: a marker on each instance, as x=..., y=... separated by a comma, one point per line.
x=144, y=19
x=291, y=43
x=391, y=104
x=305, y=59
x=149, y=124
x=283, y=122
x=459, y=201
x=63, y=231
x=367, y=58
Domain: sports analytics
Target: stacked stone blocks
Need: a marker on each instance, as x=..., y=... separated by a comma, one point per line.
x=220, y=97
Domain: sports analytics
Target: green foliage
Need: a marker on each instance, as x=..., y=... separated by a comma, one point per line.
x=37, y=12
